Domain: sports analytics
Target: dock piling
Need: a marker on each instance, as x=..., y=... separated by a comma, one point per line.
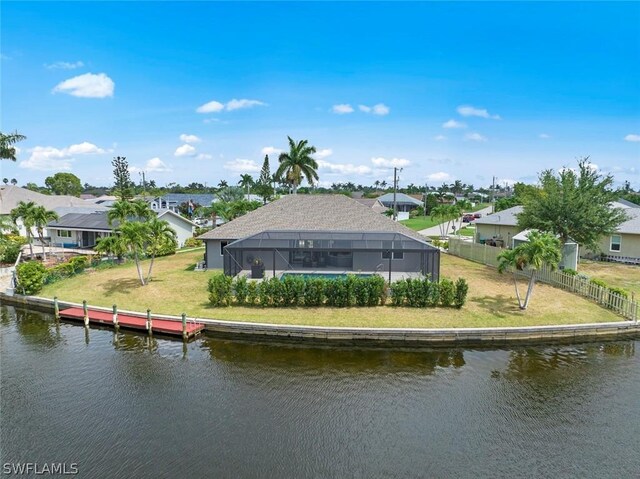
x=115, y=317
x=56, y=308
x=85, y=310
x=149, y=322
x=184, y=326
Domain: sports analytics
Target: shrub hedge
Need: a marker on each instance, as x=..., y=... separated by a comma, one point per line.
x=31, y=277
x=348, y=291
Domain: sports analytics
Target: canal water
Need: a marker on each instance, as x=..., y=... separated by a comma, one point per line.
x=124, y=405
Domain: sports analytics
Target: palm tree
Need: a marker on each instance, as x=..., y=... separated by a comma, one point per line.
x=376, y=184
x=42, y=216
x=134, y=235
x=7, y=150
x=120, y=211
x=541, y=249
x=141, y=210
x=159, y=233
x=223, y=184
x=24, y=211
x=111, y=245
x=14, y=182
x=246, y=181
x=444, y=214
x=5, y=181
x=298, y=163
x=383, y=185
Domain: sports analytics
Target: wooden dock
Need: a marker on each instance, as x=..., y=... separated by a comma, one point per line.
x=127, y=321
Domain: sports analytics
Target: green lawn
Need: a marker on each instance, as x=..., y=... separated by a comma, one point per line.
x=620, y=275
x=176, y=288
x=419, y=223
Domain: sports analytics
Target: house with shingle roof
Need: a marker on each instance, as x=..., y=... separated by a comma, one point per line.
x=318, y=232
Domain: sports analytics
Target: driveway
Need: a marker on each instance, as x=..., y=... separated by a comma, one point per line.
x=435, y=230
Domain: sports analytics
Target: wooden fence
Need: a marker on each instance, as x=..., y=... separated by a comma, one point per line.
x=488, y=255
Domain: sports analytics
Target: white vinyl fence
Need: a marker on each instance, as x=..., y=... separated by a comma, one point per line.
x=488, y=255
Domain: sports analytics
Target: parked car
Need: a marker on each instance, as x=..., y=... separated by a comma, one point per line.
x=477, y=215
x=468, y=218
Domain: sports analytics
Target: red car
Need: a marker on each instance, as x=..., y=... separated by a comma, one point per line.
x=468, y=218
x=476, y=216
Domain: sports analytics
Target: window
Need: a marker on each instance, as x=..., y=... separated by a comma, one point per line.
x=64, y=233
x=616, y=241
x=387, y=254
x=222, y=245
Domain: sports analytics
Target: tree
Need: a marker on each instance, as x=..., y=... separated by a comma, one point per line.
x=246, y=181
x=573, y=205
x=120, y=211
x=134, y=235
x=14, y=182
x=431, y=203
x=25, y=212
x=5, y=181
x=40, y=218
x=7, y=150
x=444, y=215
x=64, y=184
x=123, y=187
x=540, y=249
x=263, y=187
x=111, y=245
x=159, y=233
x=298, y=163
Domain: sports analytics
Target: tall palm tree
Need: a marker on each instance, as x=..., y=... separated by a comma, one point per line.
x=159, y=234
x=141, y=210
x=134, y=236
x=246, y=181
x=111, y=245
x=42, y=216
x=540, y=249
x=444, y=215
x=7, y=150
x=120, y=211
x=298, y=163
x=25, y=212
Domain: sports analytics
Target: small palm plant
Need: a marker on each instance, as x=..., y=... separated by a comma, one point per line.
x=541, y=249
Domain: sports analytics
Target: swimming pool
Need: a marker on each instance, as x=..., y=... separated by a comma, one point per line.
x=324, y=275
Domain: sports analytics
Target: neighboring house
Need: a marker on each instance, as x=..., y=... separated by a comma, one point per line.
x=102, y=200
x=405, y=202
x=373, y=203
x=85, y=230
x=11, y=196
x=498, y=229
x=322, y=232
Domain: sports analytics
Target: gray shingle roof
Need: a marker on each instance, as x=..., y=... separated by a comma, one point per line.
x=309, y=213
x=400, y=198
x=632, y=225
x=94, y=221
x=10, y=196
x=504, y=218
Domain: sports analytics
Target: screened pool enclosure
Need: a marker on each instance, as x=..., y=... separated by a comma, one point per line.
x=371, y=251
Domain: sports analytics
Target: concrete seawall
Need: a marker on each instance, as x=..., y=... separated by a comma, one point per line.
x=404, y=337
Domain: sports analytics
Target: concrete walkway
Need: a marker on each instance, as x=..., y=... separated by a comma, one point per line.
x=435, y=230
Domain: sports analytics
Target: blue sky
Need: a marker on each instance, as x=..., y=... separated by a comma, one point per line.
x=200, y=91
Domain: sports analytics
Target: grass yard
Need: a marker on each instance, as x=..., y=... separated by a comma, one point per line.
x=177, y=288
x=620, y=275
x=419, y=223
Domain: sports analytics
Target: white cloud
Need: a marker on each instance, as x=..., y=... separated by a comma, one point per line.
x=323, y=153
x=204, y=156
x=544, y=136
x=64, y=65
x=394, y=162
x=439, y=137
x=344, y=168
x=342, y=108
x=189, y=138
x=271, y=150
x=49, y=158
x=468, y=110
x=87, y=86
x=379, y=109
x=632, y=137
x=185, y=150
x=453, y=124
x=211, y=107
x=240, y=165
x=156, y=165
x=234, y=104
x=439, y=176
x=244, y=103
x=475, y=137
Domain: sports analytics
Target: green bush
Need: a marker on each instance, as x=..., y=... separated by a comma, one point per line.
x=598, y=282
x=292, y=290
x=398, y=292
x=10, y=246
x=252, y=293
x=193, y=243
x=462, y=288
x=433, y=294
x=241, y=289
x=78, y=264
x=447, y=292
x=619, y=291
x=220, y=291
x=31, y=276
x=314, y=294
x=570, y=272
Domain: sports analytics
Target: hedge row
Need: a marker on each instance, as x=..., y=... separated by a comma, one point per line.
x=32, y=275
x=349, y=291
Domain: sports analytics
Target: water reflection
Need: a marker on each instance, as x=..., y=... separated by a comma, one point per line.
x=32, y=328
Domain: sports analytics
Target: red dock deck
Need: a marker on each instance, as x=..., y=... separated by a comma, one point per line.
x=161, y=326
